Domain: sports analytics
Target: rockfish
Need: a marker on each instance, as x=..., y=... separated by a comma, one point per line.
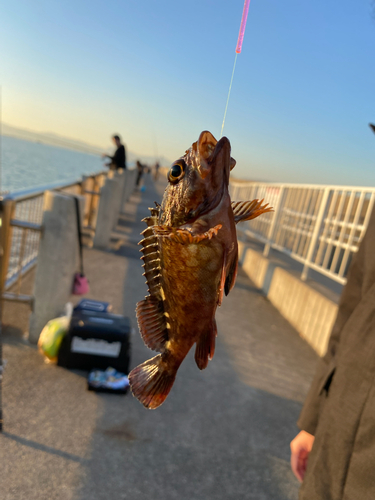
x=190, y=258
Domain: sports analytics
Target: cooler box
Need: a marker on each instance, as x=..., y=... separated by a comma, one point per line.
x=96, y=340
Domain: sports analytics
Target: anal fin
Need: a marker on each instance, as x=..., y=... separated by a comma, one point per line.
x=247, y=210
x=152, y=324
x=205, y=349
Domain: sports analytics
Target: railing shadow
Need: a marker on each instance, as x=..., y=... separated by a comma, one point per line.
x=42, y=447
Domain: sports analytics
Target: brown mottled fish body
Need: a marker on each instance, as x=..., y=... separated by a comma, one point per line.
x=192, y=284
x=190, y=259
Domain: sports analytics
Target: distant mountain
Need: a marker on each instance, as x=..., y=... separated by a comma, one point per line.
x=68, y=143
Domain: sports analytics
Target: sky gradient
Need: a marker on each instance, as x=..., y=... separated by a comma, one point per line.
x=158, y=73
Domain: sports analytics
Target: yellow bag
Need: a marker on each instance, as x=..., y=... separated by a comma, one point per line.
x=51, y=337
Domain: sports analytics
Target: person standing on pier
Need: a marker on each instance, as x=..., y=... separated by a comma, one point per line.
x=157, y=168
x=118, y=160
x=140, y=169
x=334, y=454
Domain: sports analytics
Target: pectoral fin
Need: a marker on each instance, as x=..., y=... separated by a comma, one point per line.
x=231, y=276
x=205, y=349
x=222, y=281
x=247, y=210
x=152, y=323
x=184, y=236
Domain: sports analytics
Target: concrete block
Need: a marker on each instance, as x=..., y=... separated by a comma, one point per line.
x=129, y=186
x=241, y=252
x=258, y=268
x=120, y=177
x=107, y=213
x=311, y=313
x=58, y=260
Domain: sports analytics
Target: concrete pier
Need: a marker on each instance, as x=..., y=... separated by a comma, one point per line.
x=222, y=434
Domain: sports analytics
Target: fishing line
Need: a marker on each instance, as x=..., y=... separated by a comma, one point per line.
x=238, y=51
x=230, y=88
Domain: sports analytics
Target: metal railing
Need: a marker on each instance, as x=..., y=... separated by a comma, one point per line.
x=21, y=218
x=319, y=226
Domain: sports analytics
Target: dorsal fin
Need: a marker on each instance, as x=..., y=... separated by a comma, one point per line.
x=152, y=322
x=247, y=210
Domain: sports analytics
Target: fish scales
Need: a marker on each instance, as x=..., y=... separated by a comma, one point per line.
x=190, y=256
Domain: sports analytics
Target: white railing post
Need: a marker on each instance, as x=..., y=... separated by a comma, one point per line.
x=315, y=235
x=271, y=231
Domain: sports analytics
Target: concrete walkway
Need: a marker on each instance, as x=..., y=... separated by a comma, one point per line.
x=222, y=434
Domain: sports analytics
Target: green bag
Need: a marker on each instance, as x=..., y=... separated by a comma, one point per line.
x=51, y=337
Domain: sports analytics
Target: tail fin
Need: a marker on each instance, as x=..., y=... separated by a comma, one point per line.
x=151, y=382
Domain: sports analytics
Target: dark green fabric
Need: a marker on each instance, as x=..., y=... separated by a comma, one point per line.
x=340, y=407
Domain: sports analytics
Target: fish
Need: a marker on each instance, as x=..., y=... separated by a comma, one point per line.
x=190, y=255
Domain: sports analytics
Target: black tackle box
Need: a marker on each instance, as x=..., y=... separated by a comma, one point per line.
x=96, y=340
x=93, y=305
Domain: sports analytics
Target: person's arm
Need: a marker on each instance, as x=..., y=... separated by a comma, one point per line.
x=104, y=155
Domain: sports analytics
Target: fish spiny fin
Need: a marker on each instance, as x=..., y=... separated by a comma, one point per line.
x=205, y=349
x=151, y=382
x=247, y=210
x=152, y=323
x=151, y=255
x=184, y=236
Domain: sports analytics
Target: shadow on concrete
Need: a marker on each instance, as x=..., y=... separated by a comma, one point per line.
x=41, y=447
x=246, y=284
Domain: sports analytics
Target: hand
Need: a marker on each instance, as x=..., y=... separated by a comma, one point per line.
x=300, y=449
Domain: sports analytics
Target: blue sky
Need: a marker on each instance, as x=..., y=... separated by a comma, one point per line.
x=158, y=73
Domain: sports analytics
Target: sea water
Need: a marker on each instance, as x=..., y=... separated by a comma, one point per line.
x=28, y=164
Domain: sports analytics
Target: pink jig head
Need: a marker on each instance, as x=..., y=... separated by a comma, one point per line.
x=243, y=26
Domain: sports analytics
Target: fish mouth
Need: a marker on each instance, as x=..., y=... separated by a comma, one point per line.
x=214, y=157
x=213, y=164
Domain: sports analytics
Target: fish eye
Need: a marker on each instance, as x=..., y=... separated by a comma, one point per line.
x=176, y=172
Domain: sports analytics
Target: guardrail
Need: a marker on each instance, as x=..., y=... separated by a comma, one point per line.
x=21, y=217
x=319, y=226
